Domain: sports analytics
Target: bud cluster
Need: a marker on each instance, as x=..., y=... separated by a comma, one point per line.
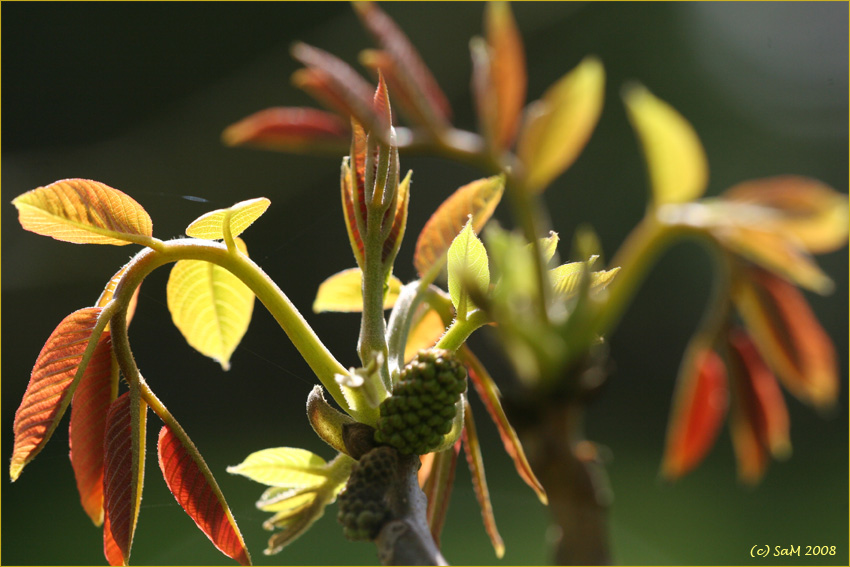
x=362, y=510
x=422, y=406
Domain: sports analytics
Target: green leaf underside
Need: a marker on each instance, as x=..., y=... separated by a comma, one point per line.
x=210, y=226
x=566, y=279
x=343, y=292
x=478, y=198
x=195, y=489
x=467, y=263
x=82, y=211
x=50, y=387
x=283, y=467
x=124, y=469
x=210, y=306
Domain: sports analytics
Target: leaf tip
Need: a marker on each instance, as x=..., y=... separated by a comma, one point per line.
x=15, y=470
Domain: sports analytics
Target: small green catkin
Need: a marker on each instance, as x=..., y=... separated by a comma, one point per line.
x=362, y=510
x=422, y=406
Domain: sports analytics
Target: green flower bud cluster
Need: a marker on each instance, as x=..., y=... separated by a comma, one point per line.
x=362, y=510
x=421, y=409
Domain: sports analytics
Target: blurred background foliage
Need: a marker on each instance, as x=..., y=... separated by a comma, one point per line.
x=136, y=96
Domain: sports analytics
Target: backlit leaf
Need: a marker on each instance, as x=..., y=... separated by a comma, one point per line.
x=759, y=395
x=789, y=336
x=424, y=334
x=290, y=129
x=97, y=389
x=84, y=212
x=472, y=449
x=437, y=485
x=566, y=278
x=193, y=485
x=678, y=169
x=478, y=198
x=240, y=216
x=467, y=264
x=343, y=292
x=408, y=73
x=108, y=292
x=814, y=213
x=110, y=547
x=558, y=126
x=124, y=469
x=699, y=406
x=488, y=392
x=284, y=467
x=507, y=71
x=751, y=455
x=211, y=307
x=51, y=385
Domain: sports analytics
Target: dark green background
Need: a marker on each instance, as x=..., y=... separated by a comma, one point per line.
x=137, y=95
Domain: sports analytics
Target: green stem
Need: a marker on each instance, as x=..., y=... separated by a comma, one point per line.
x=461, y=329
x=311, y=348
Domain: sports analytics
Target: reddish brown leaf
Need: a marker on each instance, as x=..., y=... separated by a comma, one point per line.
x=700, y=405
x=110, y=549
x=479, y=482
x=289, y=129
x=192, y=484
x=760, y=397
x=488, y=392
x=409, y=73
x=97, y=389
x=507, y=71
x=124, y=471
x=478, y=199
x=51, y=385
x=334, y=83
x=399, y=221
x=789, y=336
x=437, y=486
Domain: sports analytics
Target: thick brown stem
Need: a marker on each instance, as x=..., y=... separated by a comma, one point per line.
x=571, y=471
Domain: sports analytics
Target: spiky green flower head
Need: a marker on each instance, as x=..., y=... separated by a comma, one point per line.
x=362, y=508
x=422, y=406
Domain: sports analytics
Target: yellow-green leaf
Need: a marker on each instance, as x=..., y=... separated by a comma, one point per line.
x=342, y=292
x=558, y=126
x=210, y=306
x=467, y=264
x=478, y=199
x=566, y=278
x=84, y=212
x=283, y=467
x=240, y=216
x=678, y=169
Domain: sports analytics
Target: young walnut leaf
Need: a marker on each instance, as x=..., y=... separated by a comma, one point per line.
x=558, y=126
x=97, y=389
x=84, y=212
x=488, y=392
x=467, y=264
x=566, y=278
x=193, y=485
x=472, y=448
x=289, y=129
x=343, y=292
x=213, y=225
x=124, y=472
x=678, y=169
x=211, y=307
x=52, y=382
x=284, y=467
x=789, y=336
x=700, y=404
x=478, y=198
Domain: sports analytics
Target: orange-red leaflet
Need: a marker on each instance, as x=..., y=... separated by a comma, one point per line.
x=507, y=72
x=124, y=472
x=478, y=198
x=290, y=129
x=192, y=484
x=97, y=389
x=56, y=372
x=700, y=406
